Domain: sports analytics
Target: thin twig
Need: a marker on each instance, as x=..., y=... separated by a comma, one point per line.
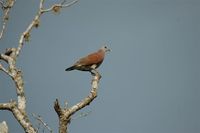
x=6, y=10
x=70, y=3
x=4, y=70
x=41, y=4
x=39, y=118
x=63, y=2
x=2, y=4
x=61, y=5
x=81, y=115
x=26, y=34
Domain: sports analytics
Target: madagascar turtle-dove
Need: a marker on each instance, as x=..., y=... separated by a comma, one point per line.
x=90, y=62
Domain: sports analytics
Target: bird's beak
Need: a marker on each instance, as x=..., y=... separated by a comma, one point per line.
x=108, y=50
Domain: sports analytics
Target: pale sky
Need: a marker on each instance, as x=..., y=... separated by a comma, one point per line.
x=150, y=80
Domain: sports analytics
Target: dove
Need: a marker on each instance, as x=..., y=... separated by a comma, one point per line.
x=90, y=62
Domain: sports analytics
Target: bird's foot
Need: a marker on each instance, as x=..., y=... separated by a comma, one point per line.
x=94, y=72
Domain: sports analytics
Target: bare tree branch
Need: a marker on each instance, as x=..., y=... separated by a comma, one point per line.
x=35, y=23
x=7, y=106
x=19, y=115
x=18, y=108
x=66, y=113
x=6, y=10
x=39, y=118
x=10, y=57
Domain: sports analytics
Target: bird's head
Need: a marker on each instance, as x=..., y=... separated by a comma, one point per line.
x=105, y=49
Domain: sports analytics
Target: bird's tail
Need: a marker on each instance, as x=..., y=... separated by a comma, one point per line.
x=70, y=68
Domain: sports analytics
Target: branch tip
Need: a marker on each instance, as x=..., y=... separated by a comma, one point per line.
x=6, y=9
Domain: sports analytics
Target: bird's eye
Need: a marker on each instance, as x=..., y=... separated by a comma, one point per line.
x=105, y=47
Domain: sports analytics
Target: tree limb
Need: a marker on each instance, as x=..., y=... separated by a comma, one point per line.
x=19, y=115
x=66, y=113
x=18, y=108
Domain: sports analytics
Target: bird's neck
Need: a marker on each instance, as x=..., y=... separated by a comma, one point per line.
x=101, y=52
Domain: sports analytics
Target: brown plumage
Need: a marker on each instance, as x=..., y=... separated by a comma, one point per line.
x=90, y=62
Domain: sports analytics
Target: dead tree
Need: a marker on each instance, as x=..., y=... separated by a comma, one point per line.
x=10, y=57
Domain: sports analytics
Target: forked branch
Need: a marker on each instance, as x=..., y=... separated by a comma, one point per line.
x=65, y=114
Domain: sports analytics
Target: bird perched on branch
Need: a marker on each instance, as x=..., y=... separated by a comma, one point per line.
x=90, y=62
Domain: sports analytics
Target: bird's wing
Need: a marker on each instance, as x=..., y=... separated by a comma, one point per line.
x=90, y=59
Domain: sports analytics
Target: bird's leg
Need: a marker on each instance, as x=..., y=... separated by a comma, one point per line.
x=94, y=72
